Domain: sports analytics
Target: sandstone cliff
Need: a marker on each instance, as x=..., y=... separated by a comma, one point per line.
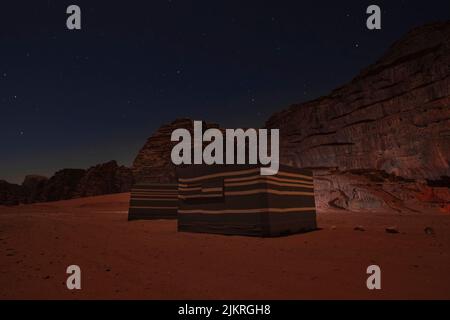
x=381, y=140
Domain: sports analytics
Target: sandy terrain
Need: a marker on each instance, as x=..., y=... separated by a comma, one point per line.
x=149, y=259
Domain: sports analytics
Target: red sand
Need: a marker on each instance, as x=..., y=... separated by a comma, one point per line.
x=151, y=260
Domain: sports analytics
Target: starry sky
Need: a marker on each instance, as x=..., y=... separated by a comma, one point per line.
x=73, y=99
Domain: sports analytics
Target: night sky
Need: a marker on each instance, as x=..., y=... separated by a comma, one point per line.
x=72, y=99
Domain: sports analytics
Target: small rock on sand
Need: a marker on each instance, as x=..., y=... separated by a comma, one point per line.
x=429, y=231
x=359, y=228
x=392, y=230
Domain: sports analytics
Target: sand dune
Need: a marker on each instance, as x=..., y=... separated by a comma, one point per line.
x=151, y=260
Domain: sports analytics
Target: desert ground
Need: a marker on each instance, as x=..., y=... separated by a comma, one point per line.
x=151, y=260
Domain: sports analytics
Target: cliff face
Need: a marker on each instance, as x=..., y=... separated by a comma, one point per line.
x=153, y=162
x=375, y=141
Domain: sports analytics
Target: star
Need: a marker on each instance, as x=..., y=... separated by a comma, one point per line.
x=356, y=45
x=4, y=74
x=21, y=133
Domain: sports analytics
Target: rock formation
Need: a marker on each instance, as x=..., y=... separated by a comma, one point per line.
x=104, y=179
x=10, y=193
x=67, y=184
x=62, y=185
x=379, y=140
x=33, y=188
x=153, y=162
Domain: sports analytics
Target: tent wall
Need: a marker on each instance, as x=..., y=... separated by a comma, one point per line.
x=237, y=200
x=153, y=201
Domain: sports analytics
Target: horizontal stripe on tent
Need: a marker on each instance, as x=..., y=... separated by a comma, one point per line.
x=190, y=185
x=248, y=192
x=155, y=194
x=263, y=181
x=190, y=189
x=268, y=178
x=207, y=195
x=156, y=185
x=271, y=191
x=158, y=195
x=200, y=188
x=154, y=199
x=257, y=210
x=154, y=190
x=220, y=174
x=243, y=172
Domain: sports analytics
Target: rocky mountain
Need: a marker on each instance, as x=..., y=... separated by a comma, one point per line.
x=382, y=140
x=33, y=188
x=67, y=184
x=62, y=185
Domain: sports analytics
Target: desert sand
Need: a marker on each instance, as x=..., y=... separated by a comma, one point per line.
x=151, y=260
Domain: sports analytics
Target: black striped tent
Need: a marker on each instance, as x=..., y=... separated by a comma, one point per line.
x=238, y=200
x=153, y=201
